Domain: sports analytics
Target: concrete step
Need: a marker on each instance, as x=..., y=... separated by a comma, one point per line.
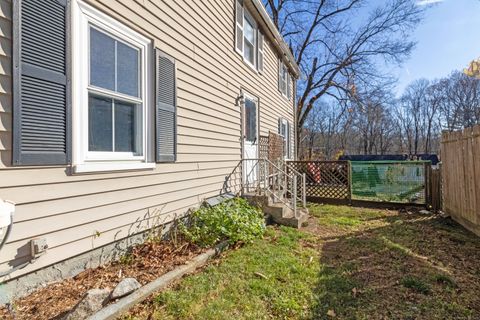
x=289, y=219
x=279, y=212
x=256, y=199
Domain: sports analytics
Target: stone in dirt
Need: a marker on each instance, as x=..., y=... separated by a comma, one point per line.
x=125, y=287
x=444, y=215
x=425, y=212
x=91, y=302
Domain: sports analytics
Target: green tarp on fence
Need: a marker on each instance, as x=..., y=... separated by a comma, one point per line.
x=389, y=181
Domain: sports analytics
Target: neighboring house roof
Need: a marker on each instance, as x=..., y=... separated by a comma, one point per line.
x=279, y=42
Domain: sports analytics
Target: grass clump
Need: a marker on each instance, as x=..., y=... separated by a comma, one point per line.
x=445, y=280
x=416, y=284
x=233, y=220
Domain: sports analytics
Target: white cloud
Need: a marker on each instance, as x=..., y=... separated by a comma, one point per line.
x=427, y=2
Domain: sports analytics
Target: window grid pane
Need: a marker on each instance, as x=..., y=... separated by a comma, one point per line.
x=100, y=125
x=127, y=70
x=114, y=125
x=126, y=128
x=102, y=60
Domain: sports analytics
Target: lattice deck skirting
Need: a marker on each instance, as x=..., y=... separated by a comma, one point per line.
x=325, y=179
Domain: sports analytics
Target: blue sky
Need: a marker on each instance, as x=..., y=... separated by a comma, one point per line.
x=448, y=39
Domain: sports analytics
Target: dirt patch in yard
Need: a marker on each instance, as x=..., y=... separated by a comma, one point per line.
x=403, y=266
x=145, y=262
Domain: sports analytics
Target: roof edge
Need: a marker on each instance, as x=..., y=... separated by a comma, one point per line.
x=280, y=42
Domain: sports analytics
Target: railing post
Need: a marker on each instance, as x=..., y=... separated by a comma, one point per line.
x=294, y=198
x=257, y=176
x=265, y=177
x=242, y=178
x=274, y=183
x=304, y=188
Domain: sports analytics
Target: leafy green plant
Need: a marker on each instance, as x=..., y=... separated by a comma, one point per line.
x=233, y=220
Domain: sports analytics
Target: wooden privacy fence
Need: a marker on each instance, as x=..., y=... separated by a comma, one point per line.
x=461, y=176
x=435, y=190
x=325, y=180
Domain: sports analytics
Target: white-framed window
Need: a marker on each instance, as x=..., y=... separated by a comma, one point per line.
x=284, y=80
x=249, y=40
x=111, y=89
x=284, y=130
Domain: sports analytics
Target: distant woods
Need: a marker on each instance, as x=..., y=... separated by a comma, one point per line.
x=375, y=122
x=345, y=100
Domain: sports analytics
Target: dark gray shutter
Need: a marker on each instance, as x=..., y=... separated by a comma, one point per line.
x=41, y=95
x=239, y=25
x=166, y=101
x=260, y=49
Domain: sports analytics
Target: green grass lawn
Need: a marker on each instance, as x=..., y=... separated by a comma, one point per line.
x=348, y=263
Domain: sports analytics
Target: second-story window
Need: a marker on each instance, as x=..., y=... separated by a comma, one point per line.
x=284, y=80
x=249, y=40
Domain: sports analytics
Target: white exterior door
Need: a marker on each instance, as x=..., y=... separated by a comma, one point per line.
x=250, y=140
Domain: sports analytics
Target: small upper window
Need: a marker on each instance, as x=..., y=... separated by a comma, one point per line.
x=283, y=78
x=284, y=131
x=249, y=40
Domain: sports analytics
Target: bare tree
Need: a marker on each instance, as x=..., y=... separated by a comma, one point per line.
x=311, y=132
x=323, y=130
x=414, y=101
x=462, y=97
x=372, y=121
x=337, y=50
x=434, y=99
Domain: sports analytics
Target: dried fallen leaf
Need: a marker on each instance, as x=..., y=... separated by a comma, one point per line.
x=261, y=275
x=331, y=313
x=355, y=292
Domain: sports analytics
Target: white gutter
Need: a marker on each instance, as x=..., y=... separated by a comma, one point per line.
x=280, y=42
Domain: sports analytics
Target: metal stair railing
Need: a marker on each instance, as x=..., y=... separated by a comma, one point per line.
x=270, y=179
x=303, y=183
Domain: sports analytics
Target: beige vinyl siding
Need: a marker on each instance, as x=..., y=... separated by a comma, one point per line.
x=71, y=210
